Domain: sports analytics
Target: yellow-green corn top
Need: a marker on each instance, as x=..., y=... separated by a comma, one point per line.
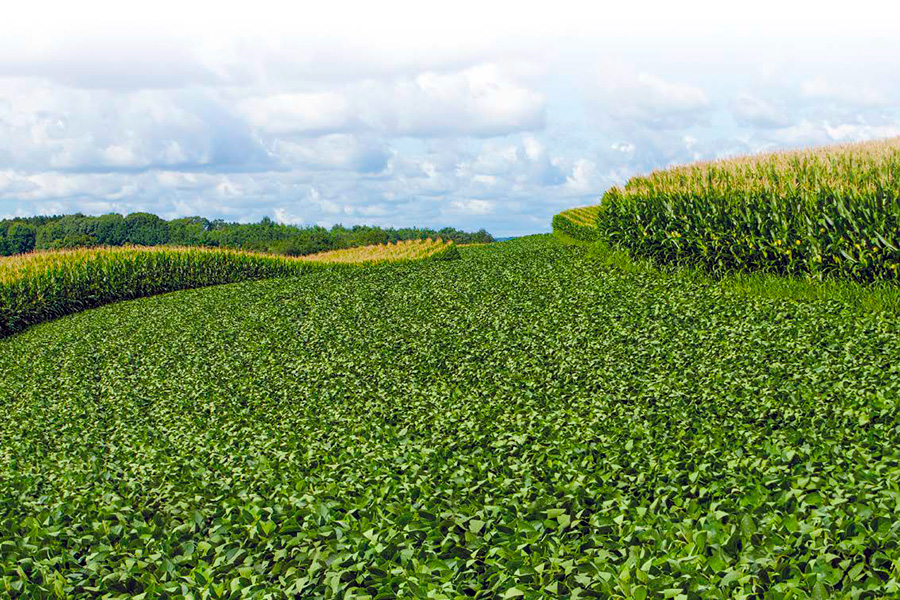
x=14, y=268
x=583, y=216
x=857, y=170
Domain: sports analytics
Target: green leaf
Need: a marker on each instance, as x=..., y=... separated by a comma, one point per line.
x=475, y=525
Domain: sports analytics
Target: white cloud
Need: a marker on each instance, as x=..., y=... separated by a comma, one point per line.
x=178, y=180
x=56, y=127
x=640, y=99
x=14, y=184
x=756, y=112
x=809, y=132
x=820, y=88
x=119, y=156
x=334, y=151
x=523, y=162
x=324, y=205
x=534, y=150
x=852, y=132
x=488, y=180
x=286, y=218
x=227, y=188
x=473, y=207
x=304, y=113
x=671, y=96
x=583, y=178
x=479, y=101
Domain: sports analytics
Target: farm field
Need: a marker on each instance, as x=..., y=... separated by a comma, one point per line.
x=526, y=422
x=40, y=286
x=578, y=223
x=829, y=212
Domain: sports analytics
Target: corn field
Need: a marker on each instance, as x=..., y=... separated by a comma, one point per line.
x=832, y=211
x=579, y=223
x=402, y=250
x=41, y=286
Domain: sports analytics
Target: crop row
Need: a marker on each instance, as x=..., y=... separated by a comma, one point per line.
x=41, y=286
x=578, y=223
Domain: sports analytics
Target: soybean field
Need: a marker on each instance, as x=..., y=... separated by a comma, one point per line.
x=525, y=422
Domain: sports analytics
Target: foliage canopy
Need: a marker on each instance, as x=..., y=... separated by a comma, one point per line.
x=524, y=422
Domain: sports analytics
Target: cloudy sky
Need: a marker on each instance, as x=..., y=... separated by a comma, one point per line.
x=467, y=114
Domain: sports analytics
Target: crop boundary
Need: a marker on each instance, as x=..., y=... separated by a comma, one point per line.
x=42, y=293
x=877, y=297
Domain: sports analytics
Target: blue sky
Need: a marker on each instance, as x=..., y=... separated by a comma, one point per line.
x=470, y=114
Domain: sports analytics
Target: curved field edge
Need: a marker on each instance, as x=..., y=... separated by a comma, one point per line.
x=569, y=430
x=41, y=286
x=578, y=223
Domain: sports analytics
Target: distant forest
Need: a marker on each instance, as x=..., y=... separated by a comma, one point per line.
x=144, y=229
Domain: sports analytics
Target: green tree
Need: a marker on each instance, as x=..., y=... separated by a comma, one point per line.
x=190, y=231
x=48, y=234
x=145, y=229
x=109, y=230
x=20, y=237
x=74, y=240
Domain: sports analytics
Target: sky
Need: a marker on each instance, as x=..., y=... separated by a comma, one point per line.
x=492, y=115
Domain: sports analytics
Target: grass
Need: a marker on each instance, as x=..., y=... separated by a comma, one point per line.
x=40, y=286
x=526, y=422
x=877, y=297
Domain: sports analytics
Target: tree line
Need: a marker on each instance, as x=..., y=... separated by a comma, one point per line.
x=145, y=229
